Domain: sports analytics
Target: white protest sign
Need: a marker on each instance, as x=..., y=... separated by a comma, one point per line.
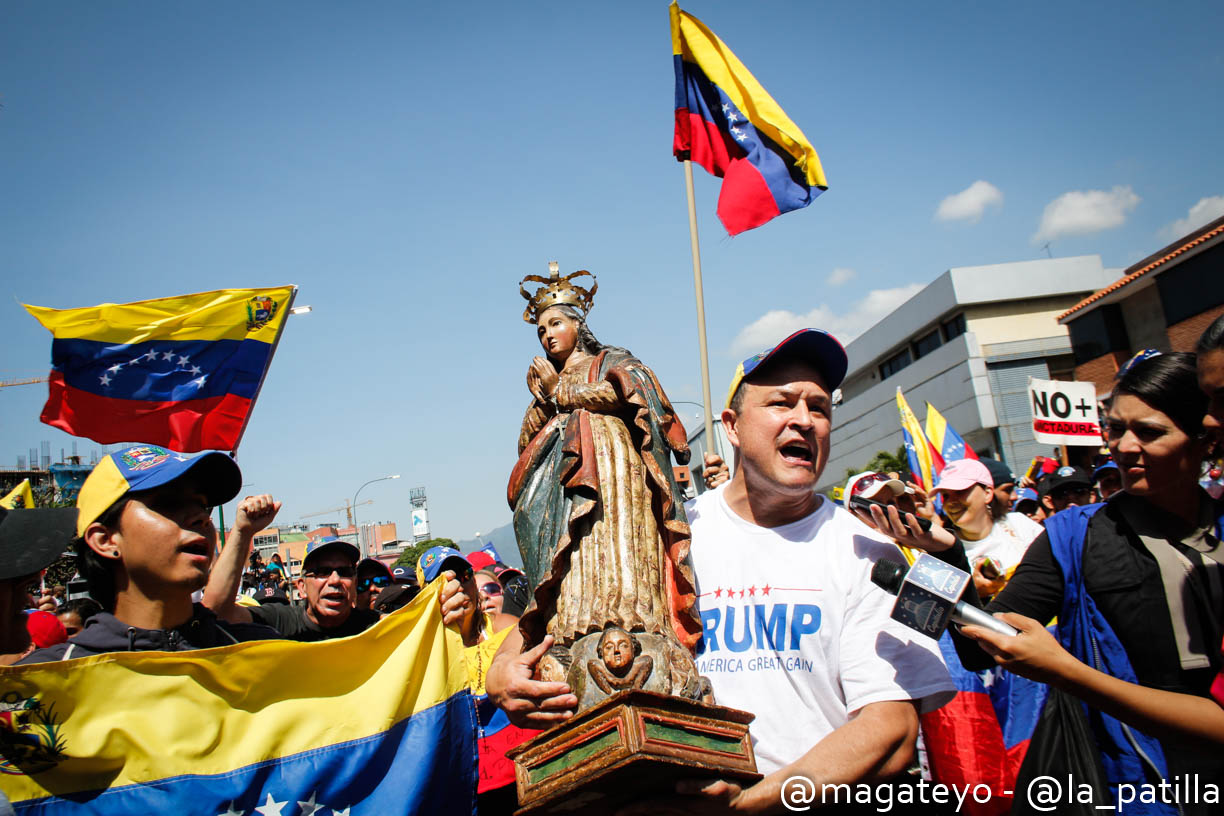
x=1064, y=413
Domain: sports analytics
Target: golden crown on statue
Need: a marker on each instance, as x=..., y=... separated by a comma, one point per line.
x=557, y=291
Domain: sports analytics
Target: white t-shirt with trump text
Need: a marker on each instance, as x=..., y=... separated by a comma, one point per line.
x=795, y=632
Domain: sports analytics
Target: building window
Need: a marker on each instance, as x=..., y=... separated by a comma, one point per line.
x=895, y=363
x=1099, y=331
x=954, y=327
x=926, y=344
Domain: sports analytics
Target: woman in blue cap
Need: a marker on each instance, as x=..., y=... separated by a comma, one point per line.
x=145, y=542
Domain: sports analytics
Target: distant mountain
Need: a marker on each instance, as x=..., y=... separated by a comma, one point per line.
x=502, y=540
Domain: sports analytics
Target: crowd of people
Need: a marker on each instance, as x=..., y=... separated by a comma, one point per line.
x=1126, y=558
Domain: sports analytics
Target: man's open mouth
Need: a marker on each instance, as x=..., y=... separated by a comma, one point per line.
x=199, y=548
x=797, y=451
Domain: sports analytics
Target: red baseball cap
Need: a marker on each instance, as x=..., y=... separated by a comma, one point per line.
x=480, y=560
x=45, y=629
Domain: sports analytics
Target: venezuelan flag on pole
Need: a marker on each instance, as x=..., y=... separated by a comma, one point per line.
x=729, y=124
x=19, y=497
x=181, y=372
x=925, y=462
x=944, y=438
x=379, y=723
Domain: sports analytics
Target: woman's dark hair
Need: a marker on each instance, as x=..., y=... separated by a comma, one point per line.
x=1212, y=338
x=85, y=608
x=99, y=572
x=586, y=343
x=998, y=507
x=1168, y=383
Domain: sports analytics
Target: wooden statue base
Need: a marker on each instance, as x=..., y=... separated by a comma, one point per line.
x=630, y=747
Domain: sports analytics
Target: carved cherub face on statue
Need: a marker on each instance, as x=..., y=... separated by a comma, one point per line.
x=617, y=650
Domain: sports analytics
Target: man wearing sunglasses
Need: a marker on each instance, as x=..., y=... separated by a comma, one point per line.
x=329, y=585
x=373, y=577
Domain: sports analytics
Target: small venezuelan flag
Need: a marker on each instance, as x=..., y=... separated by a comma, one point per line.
x=378, y=723
x=924, y=461
x=182, y=372
x=944, y=438
x=20, y=497
x=729, y=124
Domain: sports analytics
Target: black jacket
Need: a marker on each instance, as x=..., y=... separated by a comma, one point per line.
x=105, y=633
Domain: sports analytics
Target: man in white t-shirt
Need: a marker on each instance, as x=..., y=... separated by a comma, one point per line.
x=795, y=631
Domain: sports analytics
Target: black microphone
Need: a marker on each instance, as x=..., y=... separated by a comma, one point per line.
x=928, y=596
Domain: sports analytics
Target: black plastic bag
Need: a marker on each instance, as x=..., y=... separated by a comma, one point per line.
x=1062, y=771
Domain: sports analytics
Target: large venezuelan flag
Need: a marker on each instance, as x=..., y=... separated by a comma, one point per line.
x=944, y=438
x=729, y=124
x=182, y=372
x=983, y=733
x=379, y=723
x=924, y=461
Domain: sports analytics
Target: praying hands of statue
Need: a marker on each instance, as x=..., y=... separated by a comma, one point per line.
x=541, y=379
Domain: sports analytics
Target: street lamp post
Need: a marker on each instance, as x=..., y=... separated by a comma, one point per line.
x=356, y=526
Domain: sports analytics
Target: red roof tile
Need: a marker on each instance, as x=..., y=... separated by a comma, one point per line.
x=1147, y=265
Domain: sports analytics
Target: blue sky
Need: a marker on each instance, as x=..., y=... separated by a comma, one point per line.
x=405, y=164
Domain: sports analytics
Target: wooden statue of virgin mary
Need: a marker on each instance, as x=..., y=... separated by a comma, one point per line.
x=598, y=514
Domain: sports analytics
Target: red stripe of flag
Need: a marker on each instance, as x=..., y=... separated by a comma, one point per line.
x=189, y=425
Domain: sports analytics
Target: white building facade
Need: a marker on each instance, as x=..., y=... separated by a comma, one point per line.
x=968, y=344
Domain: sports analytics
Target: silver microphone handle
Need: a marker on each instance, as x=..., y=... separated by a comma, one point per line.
x=964, y=614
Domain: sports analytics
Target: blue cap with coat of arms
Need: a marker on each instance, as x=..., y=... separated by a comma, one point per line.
x=434, y=559
x=144, y=467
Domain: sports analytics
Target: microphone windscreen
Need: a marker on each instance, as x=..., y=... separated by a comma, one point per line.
x=888, y=575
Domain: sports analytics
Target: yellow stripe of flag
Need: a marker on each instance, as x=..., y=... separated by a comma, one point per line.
x=700, y=46
x=220, y=315
x=129, y=717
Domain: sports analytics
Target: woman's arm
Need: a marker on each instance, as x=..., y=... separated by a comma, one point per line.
x=1035, y=654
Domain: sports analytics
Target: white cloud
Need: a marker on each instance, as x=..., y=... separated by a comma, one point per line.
x=969, y=204
x=1208, y=209
x=840, y=275
x=773, y=326
x=1081, y=212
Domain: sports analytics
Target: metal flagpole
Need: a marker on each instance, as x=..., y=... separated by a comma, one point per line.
x=711, y=440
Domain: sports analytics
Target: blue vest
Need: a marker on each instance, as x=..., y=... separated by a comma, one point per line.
x=1127, y=754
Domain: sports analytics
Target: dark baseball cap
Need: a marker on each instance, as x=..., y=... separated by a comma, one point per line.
x=1068, y=476
x=32, y=538
x=318, y=546
x=1000, y=473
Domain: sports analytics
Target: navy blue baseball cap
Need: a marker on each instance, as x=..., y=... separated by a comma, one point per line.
x=1104, y=468
x=813, y=346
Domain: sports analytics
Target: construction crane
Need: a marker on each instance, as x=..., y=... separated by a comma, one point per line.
x=347, y=508
x=26, y=381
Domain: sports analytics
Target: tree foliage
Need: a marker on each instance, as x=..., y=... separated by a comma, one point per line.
x=409, y=557
x=885, y=462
